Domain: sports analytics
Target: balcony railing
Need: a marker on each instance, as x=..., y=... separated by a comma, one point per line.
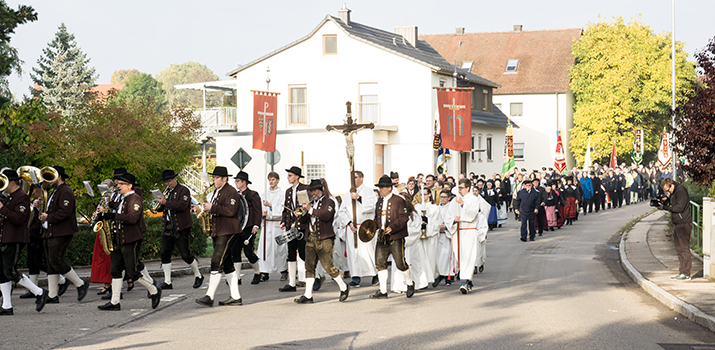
x=215, y=119
x=369, y=112
x=297, y=113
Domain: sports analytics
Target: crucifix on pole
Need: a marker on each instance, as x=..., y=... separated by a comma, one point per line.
x=349, y=128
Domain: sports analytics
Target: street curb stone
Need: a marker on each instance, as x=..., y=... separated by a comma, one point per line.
x=691, y=312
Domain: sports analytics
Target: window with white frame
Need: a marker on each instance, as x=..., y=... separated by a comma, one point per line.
x=314, y=172
x=298, y=104
x=369, y=106
x=479, y=145
x=330, y=44
x=511, y=66
x=489, y=148
x=516, y=109
x=467, y=65
x=519, y=150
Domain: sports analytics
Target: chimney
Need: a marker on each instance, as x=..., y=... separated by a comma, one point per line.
x=460, y=31
x=517, y=28
x=409, y=33
x=344, y=14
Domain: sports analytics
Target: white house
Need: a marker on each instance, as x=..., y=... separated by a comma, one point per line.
x=532, y=68
x=388, y=77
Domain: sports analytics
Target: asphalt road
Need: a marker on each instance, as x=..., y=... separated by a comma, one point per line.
x=566, y=290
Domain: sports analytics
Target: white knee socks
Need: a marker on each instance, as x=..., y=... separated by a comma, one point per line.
x=214, y=280
x=232, y=279
x=6, y=289
x=34, y=278
x=341, y=283
x=116, y=290
x=167, y=273
x=408, y=277
x=148, y=284
x=72, y=276
x=382, y=276
x=52, y=285
x=256, y=268
x=292, y=266
x=309, y=282
x=27, y=283
x=195, y=268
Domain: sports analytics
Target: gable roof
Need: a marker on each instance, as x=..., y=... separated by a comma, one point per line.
x=391, y=42
x=544, y=57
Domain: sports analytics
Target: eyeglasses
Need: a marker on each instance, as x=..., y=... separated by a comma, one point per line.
x=120, y=184
x=462, y=187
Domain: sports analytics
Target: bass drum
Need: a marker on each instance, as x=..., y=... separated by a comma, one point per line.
x=242, y=211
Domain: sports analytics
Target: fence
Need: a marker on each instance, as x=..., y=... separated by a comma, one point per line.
x=696, y=235
x=705, y=226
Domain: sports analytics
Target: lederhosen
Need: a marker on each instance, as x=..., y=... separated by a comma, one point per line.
x=176, y=222
x=395, y=214
x=14, y=234
x=296, y=247
x=224, y=227
x=61, y=226
x=254, y=219
x=128, y=236
x=320, y=238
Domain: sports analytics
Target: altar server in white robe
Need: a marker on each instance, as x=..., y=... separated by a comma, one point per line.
x=430, y=215
x=469, y=232
x=361, y=260
x=414, y=253
x=272, y=257
x=446, y=259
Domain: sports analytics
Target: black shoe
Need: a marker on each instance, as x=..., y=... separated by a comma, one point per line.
x=375, y=280
x=205, y=301
x=354, y=284
x=541, y=233
x=231, y=302
x=109, y=296
x=551, y=228
x=284, y=275
x=523, y=239
x=303, y=300
x=198, y=281
x=287, y=288
x=532, y=239
x=104, y=291
x=239, y=282
x=344, y=294
x=28, y=295
x=63, y=288
x=264, y=277
x=256, y=279
x=165, y=285
x=318, y=283
x=42, y=300
x=110, y=307
x=481, y=269
x=436, y=281
x=156, y=298
x=411, y=290
x=55, y=300
x=499, y=226
x=378, y=295
x=6, y=312
x=130, y=286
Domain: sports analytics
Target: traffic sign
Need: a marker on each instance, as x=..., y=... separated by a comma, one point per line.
x=272, y=158
x=241, y=158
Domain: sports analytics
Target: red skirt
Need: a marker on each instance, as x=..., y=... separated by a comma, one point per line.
x=571, y=208
x=101, y=263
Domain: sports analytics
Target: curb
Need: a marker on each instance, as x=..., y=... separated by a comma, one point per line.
x=691, y=312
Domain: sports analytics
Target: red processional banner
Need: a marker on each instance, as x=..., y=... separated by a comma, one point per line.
x=559, y=158
x=664, y=155
x=265, y=106
x=614, y=160
x=455, y=118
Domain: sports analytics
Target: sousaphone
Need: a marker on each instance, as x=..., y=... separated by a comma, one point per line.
x=367, y=230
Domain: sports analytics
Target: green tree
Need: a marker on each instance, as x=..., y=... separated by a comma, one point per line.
x=17, y=120
x=63, y=75
x=133, y=134
x=121, y=76
x=186, y=73
x=9, y=60
x=621, y=81
x=143, y=86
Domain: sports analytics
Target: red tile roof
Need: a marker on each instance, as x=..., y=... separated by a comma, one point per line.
x=100, y=88
x=544, y=57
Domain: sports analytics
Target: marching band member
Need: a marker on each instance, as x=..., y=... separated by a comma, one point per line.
x=60, y=224
x=14, y=215
x=225, y=233
x=35, y=249
x=361, y=260
x=391, y=217
x=101, y=262
x=296, y=247
x=414, y=252
x=319, y=241
x=128, y=225
x=271, y=255
x=252, y=225
x=471, y=228
x=176, y=228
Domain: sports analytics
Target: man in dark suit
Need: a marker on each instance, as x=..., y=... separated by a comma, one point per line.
x=249, y=232
x=320, y=238
x=176, y=223
x=296, y=247
x=526, y=205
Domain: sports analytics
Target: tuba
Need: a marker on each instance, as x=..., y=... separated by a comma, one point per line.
x=204, y=216
x=3, y=182
x=103, y=227
x=48, y=175
x=30, y=176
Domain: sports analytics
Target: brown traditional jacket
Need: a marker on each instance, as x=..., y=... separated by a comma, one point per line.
x=395, y=216
x=130, y=221
x=61, y=215
x=178, y=203
x=288, y=218
x=255, y=212
x=224, y=212
x=14, y=215
x=323, y=212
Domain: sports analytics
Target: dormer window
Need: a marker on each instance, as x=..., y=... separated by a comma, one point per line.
x=330, y=44
x=511, y=66
x=467, y=65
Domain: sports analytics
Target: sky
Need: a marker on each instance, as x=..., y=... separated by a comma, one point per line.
x=151, y=35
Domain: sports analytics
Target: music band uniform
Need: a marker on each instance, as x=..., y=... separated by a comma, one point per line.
x=296, y=247
x=247, y=235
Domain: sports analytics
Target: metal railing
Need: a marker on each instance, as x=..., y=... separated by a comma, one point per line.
x=297, y=113
x=369, y=112
x=192, y=180
x=696, y=235
x=215, y=119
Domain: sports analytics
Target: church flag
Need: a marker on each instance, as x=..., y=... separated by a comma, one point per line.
x=614, y=160
x=664, y=155
x=559, y=159
x=265, y=107
x=509, y=162
x=587, y=163
x=637, y=154
x=455, y=118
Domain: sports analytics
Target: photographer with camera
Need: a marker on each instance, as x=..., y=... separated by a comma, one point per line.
x=677, y=201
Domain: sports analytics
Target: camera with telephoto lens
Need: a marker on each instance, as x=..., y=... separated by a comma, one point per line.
x=656, y=201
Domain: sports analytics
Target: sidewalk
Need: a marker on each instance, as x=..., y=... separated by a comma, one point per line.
x=648, y=256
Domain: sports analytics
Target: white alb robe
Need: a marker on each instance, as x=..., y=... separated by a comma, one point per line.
x=414, y=255
x=361, y=261
x=275, y=258
x=467, y=241
x=446, y=260
x=430, y=244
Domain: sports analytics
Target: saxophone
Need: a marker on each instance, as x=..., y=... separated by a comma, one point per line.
x=205, y=216
x=106, y=235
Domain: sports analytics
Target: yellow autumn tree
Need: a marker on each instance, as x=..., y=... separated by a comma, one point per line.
x=621, y=80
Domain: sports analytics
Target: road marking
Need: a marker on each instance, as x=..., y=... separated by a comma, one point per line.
x=136, y=312
x=172, y=297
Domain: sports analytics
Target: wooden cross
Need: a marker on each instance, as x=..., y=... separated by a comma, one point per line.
x=349, y=128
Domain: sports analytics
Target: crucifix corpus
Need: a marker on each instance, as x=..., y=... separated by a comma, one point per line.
x=349, y=128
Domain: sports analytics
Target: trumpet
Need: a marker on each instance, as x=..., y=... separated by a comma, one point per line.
x=158, y=206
